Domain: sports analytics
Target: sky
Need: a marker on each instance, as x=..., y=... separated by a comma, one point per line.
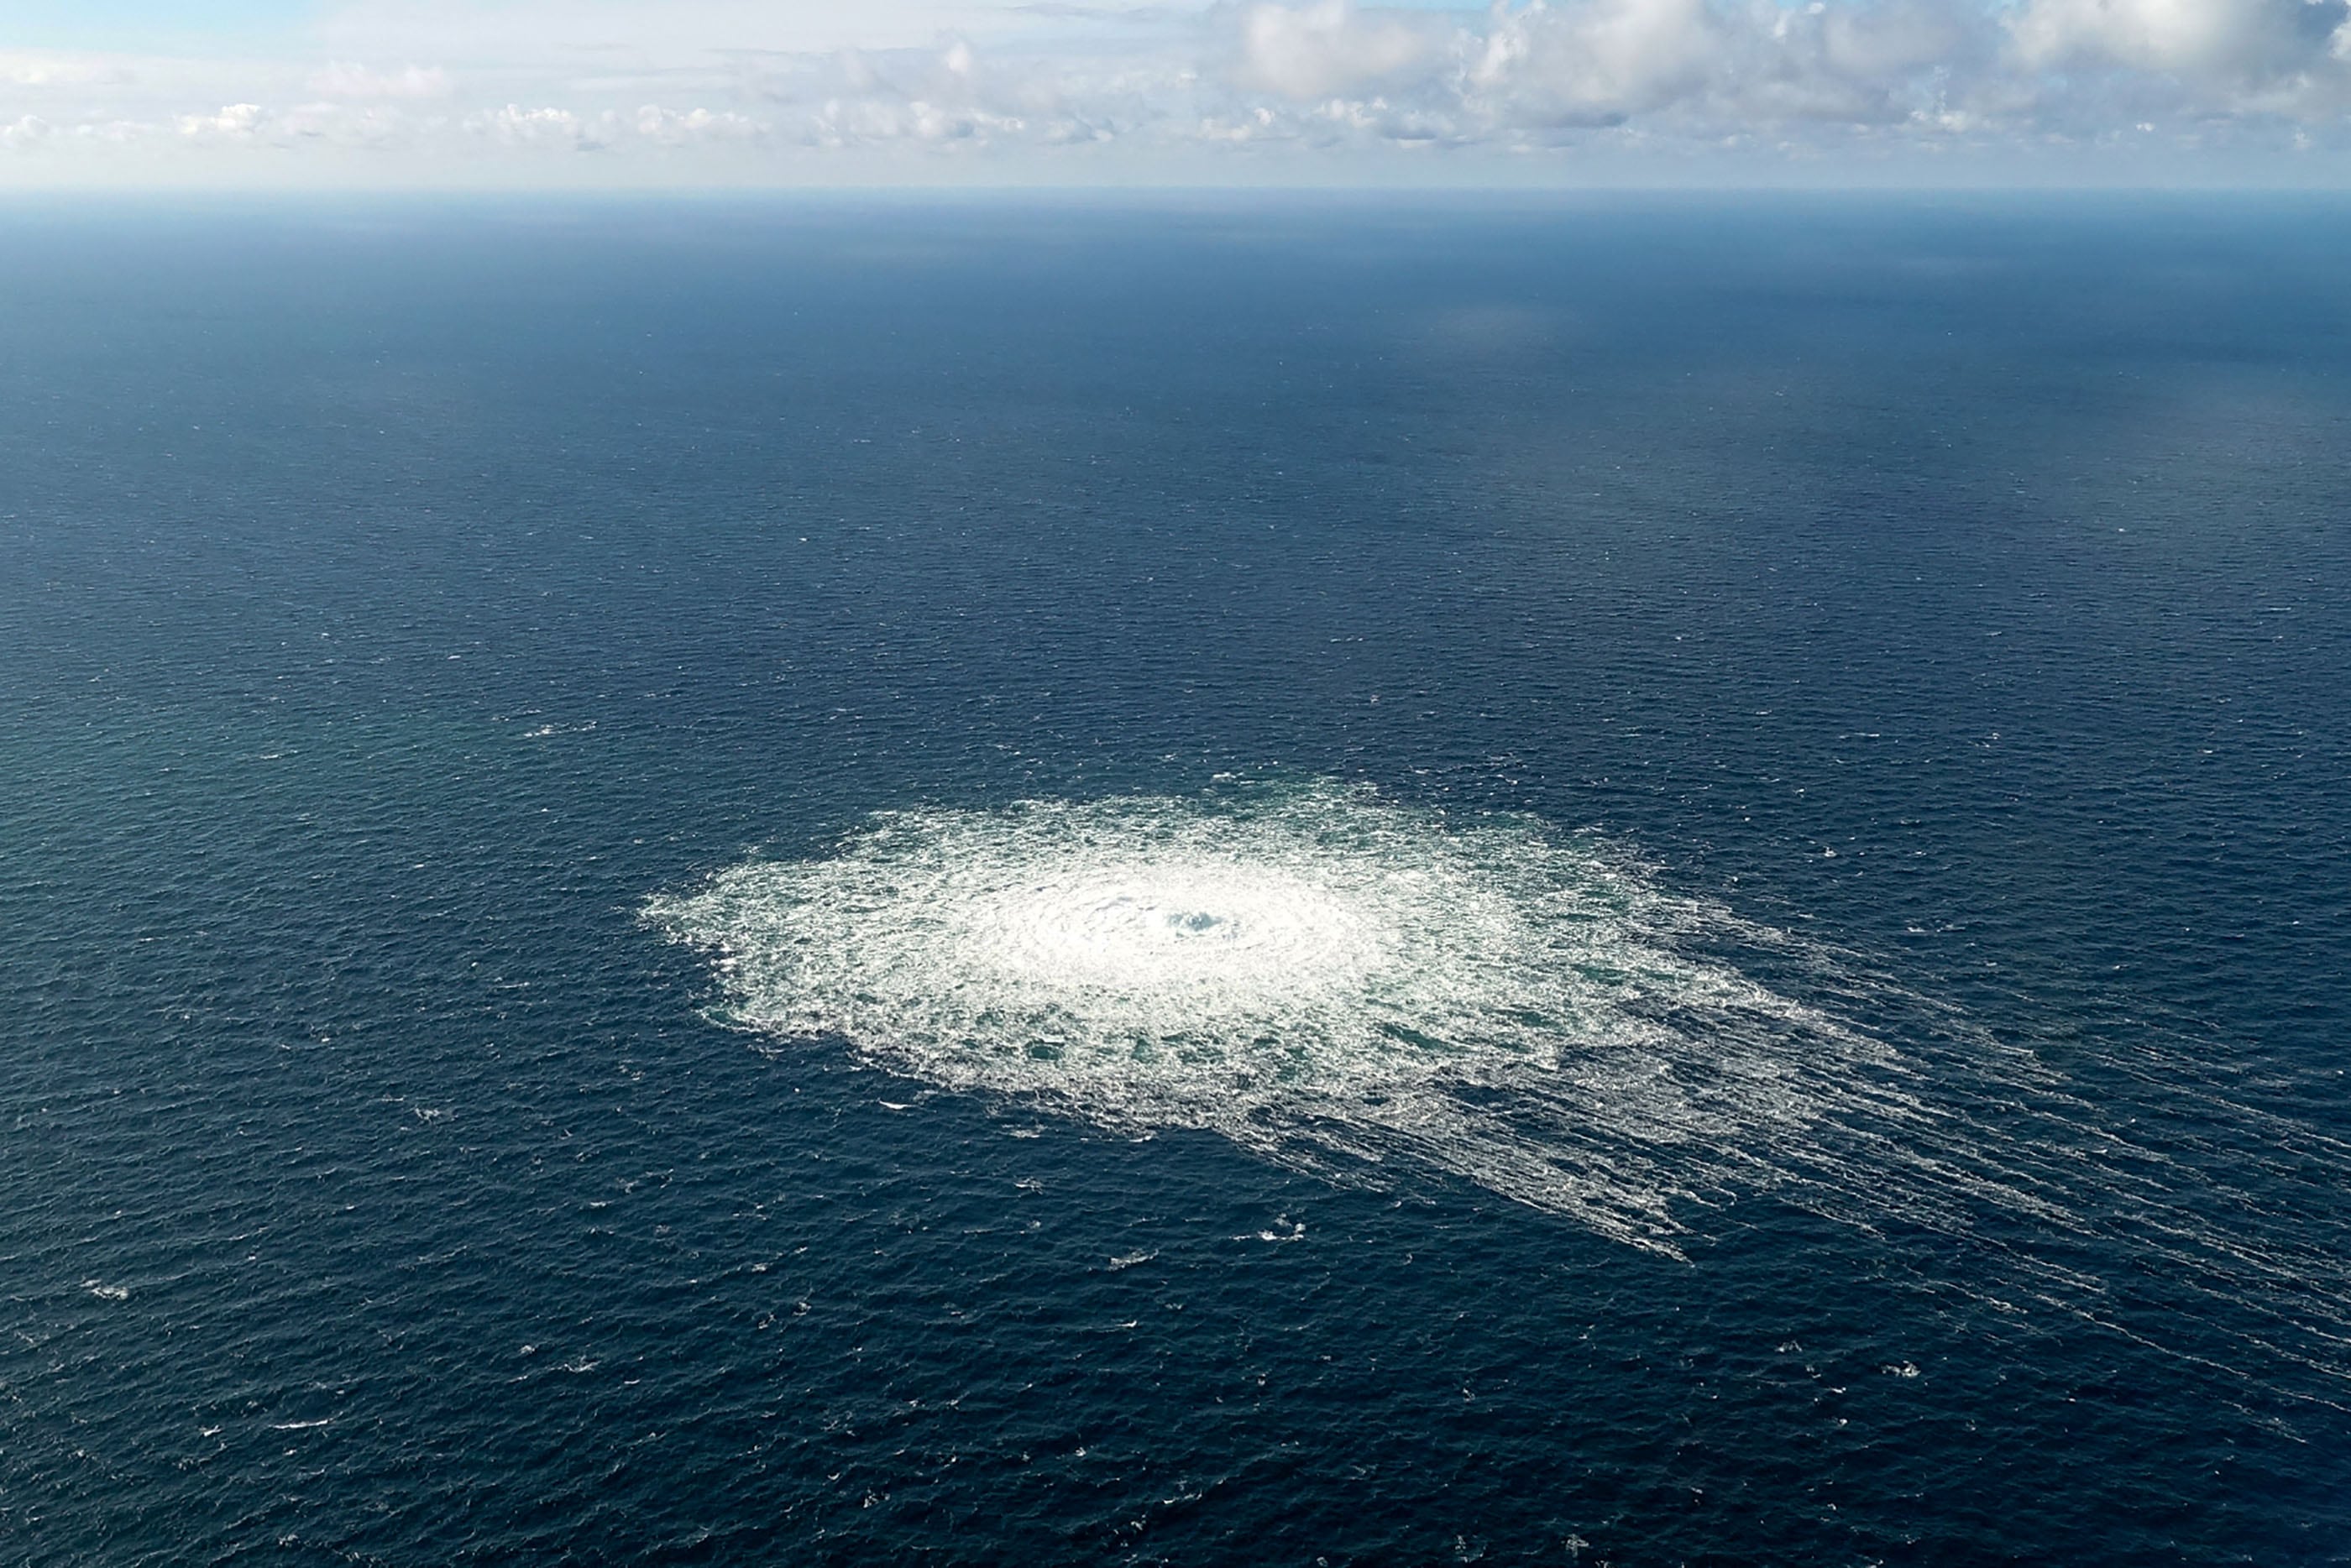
x=632, y=94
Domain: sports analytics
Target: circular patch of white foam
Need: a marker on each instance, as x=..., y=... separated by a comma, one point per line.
x=1327, y=978
x=1361, y=989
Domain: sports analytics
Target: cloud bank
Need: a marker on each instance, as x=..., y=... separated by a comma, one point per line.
x=736, y=92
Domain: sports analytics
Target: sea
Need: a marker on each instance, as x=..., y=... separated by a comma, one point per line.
x=1187, y=877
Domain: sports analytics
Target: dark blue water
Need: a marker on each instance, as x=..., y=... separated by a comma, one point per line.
x=395, y=598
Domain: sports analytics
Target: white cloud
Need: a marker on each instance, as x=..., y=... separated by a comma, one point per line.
x=544, y=127
x=778, y=90
x=1598, y=61
x=235, y=122
x=26, y=130
x=683, y=128
x=1330, y=46
x=340, y=80
x=870, y=122
x=2226, y=38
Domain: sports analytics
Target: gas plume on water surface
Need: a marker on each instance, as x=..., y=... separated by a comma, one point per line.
x=1331, y=980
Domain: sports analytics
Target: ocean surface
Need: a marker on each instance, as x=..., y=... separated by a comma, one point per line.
x=1270, y=880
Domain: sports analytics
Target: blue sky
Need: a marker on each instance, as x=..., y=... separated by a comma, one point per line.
x=146, y=23
x=383, y=93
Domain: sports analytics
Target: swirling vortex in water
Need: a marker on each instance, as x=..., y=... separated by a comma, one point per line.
x=1331, y=980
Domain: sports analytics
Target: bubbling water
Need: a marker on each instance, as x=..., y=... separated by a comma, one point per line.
x=1366, y=991
x=1328, y=979
x=1221, y=934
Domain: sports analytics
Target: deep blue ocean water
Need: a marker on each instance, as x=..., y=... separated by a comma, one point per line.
x=396, y=597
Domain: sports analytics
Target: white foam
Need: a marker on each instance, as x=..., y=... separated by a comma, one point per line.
x=1327, y=978
x=1364, y=989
